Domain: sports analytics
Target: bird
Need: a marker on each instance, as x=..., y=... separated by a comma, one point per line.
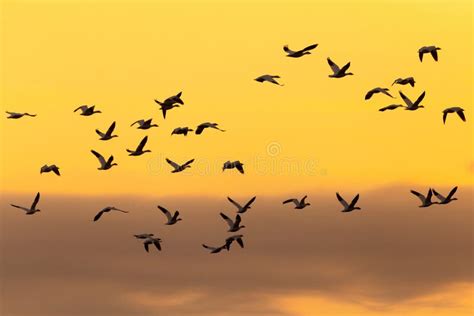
x=404, y=81
x=175, y=99
x=87, y=110
x=104, y=165
x=170, y=103
x=377, y=90
x=144, y=124
x=348, y=207
x=242, y=209
x=106, y=210
x=152, y=240
x=202, y=126
x=108, y=135
x=339, y=72
x=425, y=201
x=299, y=53
x=299, y=204
x=143, y=236
x=447, y=199
x=269, y=78
x=235, y=164
x=139, y=151
x=50, y=168
x=32, y=209
x=410, y=105
x=181, y=130
x=433, y=50
x=177, y=167
x=231, y=239
x=14, y=115
x=215, y=249
x=233, y=225
x=454, y=109
x=391, y=107
x=171, y=219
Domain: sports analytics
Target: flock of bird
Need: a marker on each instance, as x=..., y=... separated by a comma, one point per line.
x=234, y=225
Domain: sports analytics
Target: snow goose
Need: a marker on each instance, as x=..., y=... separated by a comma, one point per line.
x=50, y=168
x=447, y=199
x=144, y=124
x=269, y=78
x=231, y=239
x=152, y=240
x=32, y=209
x=202, y=126
x=233, y=225
x=104, y=165
x=143, y=236
x=377, y=90
x=181, y=130
x=339, y=72
x=454, y=109
x=299, y=204
x=410, y=105
x=172, y=219
x=87, y=110
x=14, y=115
x=139, y=151
x=177, y=167
x=107, y=135
x=235, y=164
x=242, y=209
x=425, y=201
x=433, y=50
x=106, y=210
x=215, y=249
x=391, y=107
x=404, y=81
x=348, y=207
x=299, y=53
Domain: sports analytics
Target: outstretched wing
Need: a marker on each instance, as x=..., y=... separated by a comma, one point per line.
x=354, y=201
x=450, y=195
x=240, y=242
x=33, y=206
x=334, y=67
x=405, y=99
x=250, y=202
x=172, y=163
x=290, y=200
x=461, y=115
x=227, y=219
x=99, y=133
x=166, y=212
x=157, y=245
x=346, y=66
x=111, y=129
x=96, y=218
x=142, y=144
x=310, y=47
x=439, y=196
x=188, y=162
x=342, y=201
x=82, y=108
x=445, y=115
x=434, y=53
x=140, y=122
x=419, y=195
x=420, y=98
x=200, y=128
x=99, y=156
x=287, y=50
x=235, y=203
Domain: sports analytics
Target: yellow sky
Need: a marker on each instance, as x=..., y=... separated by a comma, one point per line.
x=315, y=132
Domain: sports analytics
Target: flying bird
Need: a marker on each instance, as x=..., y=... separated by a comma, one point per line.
x=447, y=199
x=177, y=167
x=425, y=200
x=14, y=115
x=202, y=126
x=143, y=236
x=231, y=239
x=181, y=130
x=169, y=103
x=433, y=50
x=299, y=204
x=175, y=99
x=339, y=72
x=215, y=249
x=242, y=209
x=235, y=164
x=139, y=151
x=144, y=124
x=233, y=225
x=87, y=110
x=299, y=53
x=348, y=207
x=50, y=168
x=391, y=107
x=106, y=210
x=454, y=109
x=172, y=219
x=108, y=135
x=404, y=81
x=377, y=90
x=104, y=165
x=32, y=209
x=152, y=240
x=269, y=78
x=410, y=105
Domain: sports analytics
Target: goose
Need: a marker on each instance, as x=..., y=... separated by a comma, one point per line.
x=269, y=78
x=348, y=207
x=235, y=164
x=447, y=199
x=425, y=201
x=391, y=107
x=152, y=240
x=171, y=219
x=339, y=72
x=215, y=249
x=231, y=239
x=175, y=99
x=410, y=105
x=104, y=165
x=87, y=110
x=454, y=109
x=181, y=130
x=404, y=81
x=14, y=115
x=170, y=103
x=233, y=225
x=202, y=126
x=144, y=124
x=139, y=151
x=299, y=204
x=106, y=210
x=50, y=168
x=108, y=135
x=32, y=209
x=143, y=236
x=299, y=53
x=242, y=209
x=433, y=50
x=177, y=167
x=377, y=90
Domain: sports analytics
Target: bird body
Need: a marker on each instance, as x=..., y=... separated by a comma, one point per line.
x=172, y=219
x=299, y=204
x=404, y=81
x=32, y=209
x=299, y=53
x=87, y=110
x=181, y=130
x=50, y=168
x=106, y=210
x=107, y=135
x=15, y=115
x=234, y=225
x=144, y=124
x=348, y=207
x=377, y=90
x=205, y=125
x=177, y=167
x=171, y=102
x=339, y=72
x=269, y=78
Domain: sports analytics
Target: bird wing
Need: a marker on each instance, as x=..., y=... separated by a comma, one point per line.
x=310, y=47
x=354, y=201
x=387, y=93
x=99, y=156
x=82, y=108
x=172, y=163
x=188, y=162
x=240, y=167
x=342, y=201
x=111, y=129
x=157, y=245
x=434, y=53
x=33, y=206
x=227, y=219
x=56, y=170
x=163, y=110
x=334, y=67
x=99, y=133
x=369, y=94
x=419, y=195
x=142, y=144
x=303, y=199
x=20, y=207
x=420, y=98
x=240, y=242
x=250, y=202
x=140, y=122
x=450, y=195
x=405, y=99
x=439, y=196
x=420, y=55
x=146, y=246
x=175, y=216
x=286, y=49
x=346, y=66
x=235, y=203
x=445, y=115
x=237, y=220
x=166, y=212
x=109, y=161
x=200, y=128
x=461, y=115
x=96, y=218
x=291, y=200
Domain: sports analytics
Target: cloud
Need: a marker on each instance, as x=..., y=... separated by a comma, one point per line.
x=390, y=252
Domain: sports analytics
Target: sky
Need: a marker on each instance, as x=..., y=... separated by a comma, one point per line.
x=315, y=135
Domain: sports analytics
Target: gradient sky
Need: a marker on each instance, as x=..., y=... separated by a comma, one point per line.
x=315, y=135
